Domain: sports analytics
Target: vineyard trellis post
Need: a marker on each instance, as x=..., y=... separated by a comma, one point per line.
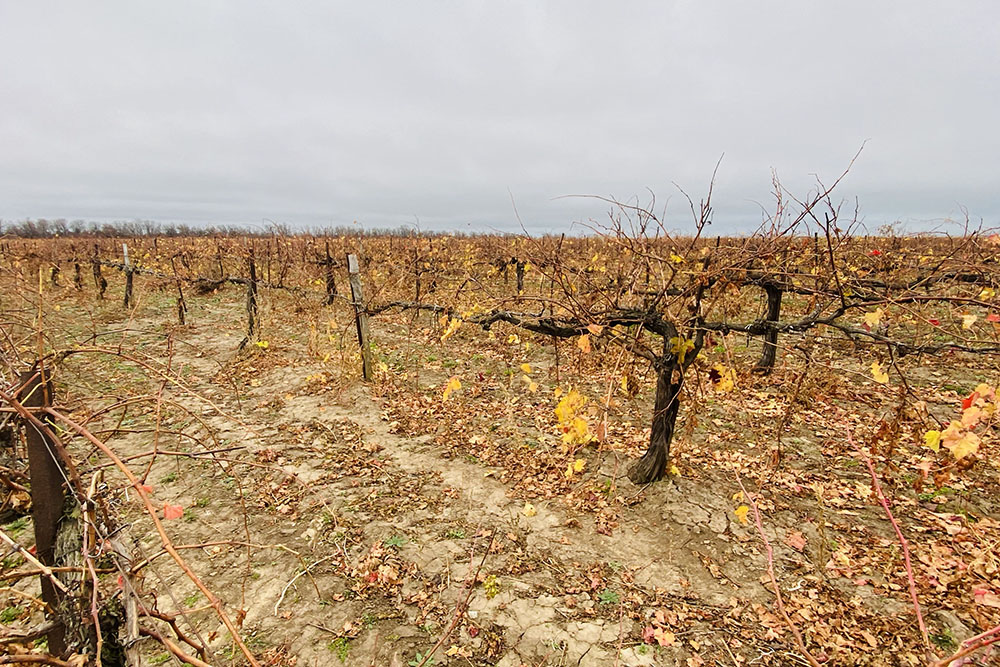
x=360, y=315
x=129, y=271
x=253, y=312
x=330, y=277
x=100, y=282
x=47, y=493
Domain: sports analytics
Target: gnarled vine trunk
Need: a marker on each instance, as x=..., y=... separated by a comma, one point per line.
x=653, y=464
x=768, y=356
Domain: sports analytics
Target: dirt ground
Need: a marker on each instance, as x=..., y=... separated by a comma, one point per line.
x=348, y=519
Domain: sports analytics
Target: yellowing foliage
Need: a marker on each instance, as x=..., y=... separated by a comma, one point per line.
x=878, y=374
x=680, y=346
x=454, y=384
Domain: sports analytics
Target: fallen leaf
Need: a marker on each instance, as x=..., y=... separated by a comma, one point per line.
x=878, y=374
x=741, y=513
x=796, y=540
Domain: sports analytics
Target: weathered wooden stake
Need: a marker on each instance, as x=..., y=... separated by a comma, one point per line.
x=253, y=319
x=360, y=316
x=331, y=280
x=48, y=496
x=128, y=278
x=100, y=282
x=181, y=304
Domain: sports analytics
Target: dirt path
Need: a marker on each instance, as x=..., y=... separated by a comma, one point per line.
x=392, y=527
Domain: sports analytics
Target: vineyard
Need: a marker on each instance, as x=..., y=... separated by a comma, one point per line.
x=621, y=448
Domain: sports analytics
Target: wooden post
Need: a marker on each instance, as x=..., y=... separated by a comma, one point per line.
x=331, y=280
x=253, y=319
x=181, y=305
x=100, y=282
x=360, y=316
x=47, y=495
x=128, y=277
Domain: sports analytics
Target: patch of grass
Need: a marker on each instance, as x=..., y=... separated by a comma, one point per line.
x=168, y=478
x=455, y=534
x=944, y=640
x=191, y=600
x=11, y=614
x=395, y=541
x=202, y=502
x=159, y=658
x=16, y=527
x=608, y=596
x=340, y=647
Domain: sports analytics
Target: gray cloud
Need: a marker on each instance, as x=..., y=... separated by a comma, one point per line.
x=319, y=113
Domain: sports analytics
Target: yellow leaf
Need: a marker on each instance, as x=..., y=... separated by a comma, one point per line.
x=579, y=465
x=872, y=319
x=674, y=470
x=880, y=376
x=532, y=387
x=568, y=406
x=454, y=384
x=557, y=392
x=741, y=513
x=738, y=496
x=680, y=346
x=583, y=342
x=526, y=368
x=967, y=444
x=676, y=259
x=933, y=440
x=453, y=326
x=987, y=293
x=569, y=471
x=968, y=321
x=725, y=378
x=529, y=510
x=577, y=432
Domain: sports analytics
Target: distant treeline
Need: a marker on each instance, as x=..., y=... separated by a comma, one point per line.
x=42, y=228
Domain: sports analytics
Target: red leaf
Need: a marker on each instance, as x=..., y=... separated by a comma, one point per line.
x=993, y=317
x=875, y=253
x=648, y=634
x=967, y=403
x=146, y=488
x=172, y=511
x=936, y=323
x=796, y=540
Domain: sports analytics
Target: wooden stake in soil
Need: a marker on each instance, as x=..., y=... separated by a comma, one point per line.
x=253, y=319
x=360, y=315
x=47, y=495
x=128, y=277
x=181, y=304
x=100, y=282
x=331, y=280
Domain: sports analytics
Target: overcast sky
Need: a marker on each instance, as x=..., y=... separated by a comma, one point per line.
x=317, y=114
